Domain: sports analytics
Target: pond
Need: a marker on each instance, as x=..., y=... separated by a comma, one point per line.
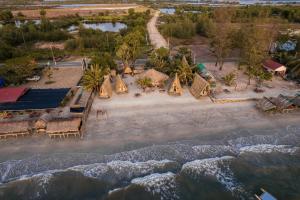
x=169, y=11
x=106, y=27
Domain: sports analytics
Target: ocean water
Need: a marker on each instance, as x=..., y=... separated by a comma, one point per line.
x=235, y=168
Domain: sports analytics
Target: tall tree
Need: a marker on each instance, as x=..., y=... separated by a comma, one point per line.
x=219, y=35
x=254, y=49
x=159, y=59
x=17, y=70
x=131, y=48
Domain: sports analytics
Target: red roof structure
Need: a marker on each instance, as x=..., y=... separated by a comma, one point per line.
x=12, y=94
x=272, y=64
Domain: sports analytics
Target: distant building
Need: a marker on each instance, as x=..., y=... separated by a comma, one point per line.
x=274, y=67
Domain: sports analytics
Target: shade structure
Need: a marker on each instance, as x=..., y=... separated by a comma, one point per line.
x=63, y=125
x=120, y=85
x=157, y=78
x=36, y=99
x=11, y=94
x=175, y=87
x=105, y=89
x=200, y=87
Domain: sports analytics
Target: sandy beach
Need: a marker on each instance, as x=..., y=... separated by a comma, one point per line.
x=155, y=118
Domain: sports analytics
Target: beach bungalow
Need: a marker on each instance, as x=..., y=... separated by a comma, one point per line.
x=282, y=102
x=105, y=89
x=175, y=88
x=41, y=124
x=265, y=104
x=200, y=87
x=120, y=85
x=127, y=69
x=274, y=67
x=157, y=78
x=14, y=129
x=63, y=128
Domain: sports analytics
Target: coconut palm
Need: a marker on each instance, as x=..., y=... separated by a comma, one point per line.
x=184, y=71
x=93, y=77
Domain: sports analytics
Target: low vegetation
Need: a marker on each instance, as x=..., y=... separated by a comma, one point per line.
x=251, y=31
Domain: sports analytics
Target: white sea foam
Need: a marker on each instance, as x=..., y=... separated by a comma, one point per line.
x=268, y=148
x=217, y=167
x=120, y=170
x=163, y=185
x=214, y=150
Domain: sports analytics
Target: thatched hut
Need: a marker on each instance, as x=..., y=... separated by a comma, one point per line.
x=105, y=89
x=265, y=105
x=64, y=127
x=41, y=124
x=14, y=129
x=175, y=87
x=282, y=102
x=200, y=87
x=157, y=78
x=127, y=70
x=120, y=85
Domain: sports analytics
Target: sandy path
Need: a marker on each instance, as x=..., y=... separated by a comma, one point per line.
x=157, y=40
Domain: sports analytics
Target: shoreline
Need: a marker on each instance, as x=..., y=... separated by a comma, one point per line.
x=148, y=121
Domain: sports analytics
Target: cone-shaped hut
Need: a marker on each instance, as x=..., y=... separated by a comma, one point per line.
x=127, y=69
x=120, y=86
x=105, y=89
x=200, y=87
x=175, y=87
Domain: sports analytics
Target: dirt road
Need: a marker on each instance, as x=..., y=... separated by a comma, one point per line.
x=157, y=40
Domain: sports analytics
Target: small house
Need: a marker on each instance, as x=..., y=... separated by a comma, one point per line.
x=200, y=87
x=120, y=85
x=14, y=129
x=63, y=128
x=274, y=67
x=175, y=87
x=105, y=89
x=265, y=104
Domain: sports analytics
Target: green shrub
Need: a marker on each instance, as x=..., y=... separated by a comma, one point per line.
x=229, y=79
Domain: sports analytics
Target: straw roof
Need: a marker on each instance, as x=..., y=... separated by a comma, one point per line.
x=265, y=104
x=200, y=87
x=157, y=77
x=127, y=70
x=105, y=89
x=175, y=87
x=63, y=125
x=120, y=86
x=282, y=102
x=14, y=127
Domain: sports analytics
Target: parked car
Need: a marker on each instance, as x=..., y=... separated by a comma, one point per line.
x=34, y=78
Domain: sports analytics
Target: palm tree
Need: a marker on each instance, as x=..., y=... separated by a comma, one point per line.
x=93, y=77
x=184, y=71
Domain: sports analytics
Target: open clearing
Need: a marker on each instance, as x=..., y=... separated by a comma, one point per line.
x=62, y=78
x=82, y=11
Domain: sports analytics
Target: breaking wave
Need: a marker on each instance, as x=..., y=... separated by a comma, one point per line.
x=156, y=167
x=216, y=167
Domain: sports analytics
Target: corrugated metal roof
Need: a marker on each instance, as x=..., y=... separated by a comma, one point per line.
x=12, y=94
